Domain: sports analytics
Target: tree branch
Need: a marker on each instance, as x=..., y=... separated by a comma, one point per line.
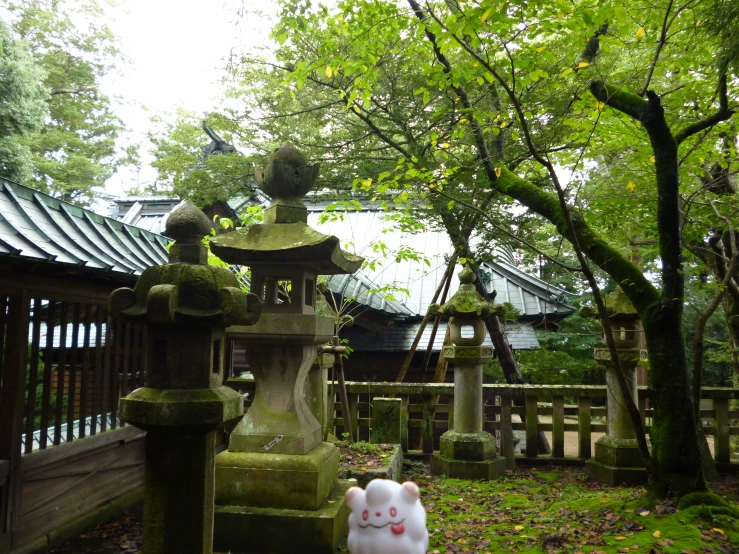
x=508, y=233
x=723, y=113
x=662, y=39
x=79, y=90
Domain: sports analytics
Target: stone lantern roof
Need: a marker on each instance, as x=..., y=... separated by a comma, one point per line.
x=619, y=306
x=186, y=291
x=285, y=236
x=466, y=302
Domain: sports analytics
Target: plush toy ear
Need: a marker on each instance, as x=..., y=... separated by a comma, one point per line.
x=410, y=491
x=351, y=495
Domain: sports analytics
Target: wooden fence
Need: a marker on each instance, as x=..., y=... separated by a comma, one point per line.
x=427, y=411
x=63, y=368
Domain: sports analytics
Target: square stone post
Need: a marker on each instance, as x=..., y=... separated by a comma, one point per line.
x=386, y=420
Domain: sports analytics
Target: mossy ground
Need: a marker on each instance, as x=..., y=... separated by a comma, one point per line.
x=559, y=510
x=527, y=511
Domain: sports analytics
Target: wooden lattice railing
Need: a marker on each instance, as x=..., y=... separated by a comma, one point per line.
x=562, y=411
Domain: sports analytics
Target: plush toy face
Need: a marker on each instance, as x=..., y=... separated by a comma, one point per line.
x=386, y=518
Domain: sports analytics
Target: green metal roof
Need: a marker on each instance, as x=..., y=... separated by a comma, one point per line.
x=37, y=227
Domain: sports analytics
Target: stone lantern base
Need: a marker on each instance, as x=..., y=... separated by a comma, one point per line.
x=280, y=502
x=282, y=481
x=248, y=529
x=467, y=456
x=616, y=462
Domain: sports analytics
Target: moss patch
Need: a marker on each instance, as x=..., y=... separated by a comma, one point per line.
x=560, y=510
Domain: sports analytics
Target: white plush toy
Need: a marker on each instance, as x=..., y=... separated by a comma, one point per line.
x=387, y=518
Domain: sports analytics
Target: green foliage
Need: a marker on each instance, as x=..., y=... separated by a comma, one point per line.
x=564, y=358
x=75, y=150
x=22, y=105
x=362, y=447
x=176, y=146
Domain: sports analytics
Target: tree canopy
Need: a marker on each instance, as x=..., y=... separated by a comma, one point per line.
x=22, y=105
x=70, y=49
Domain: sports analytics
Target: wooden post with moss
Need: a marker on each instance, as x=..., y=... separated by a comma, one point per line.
x=274, y=481
x=467, y=451
x=186, y=306
x=617, y=460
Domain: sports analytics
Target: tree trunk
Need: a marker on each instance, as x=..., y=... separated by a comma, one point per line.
x=675, y=444
x=731, y=312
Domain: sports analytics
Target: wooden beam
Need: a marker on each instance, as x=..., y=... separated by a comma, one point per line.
x=13, y=396
x=71, y=289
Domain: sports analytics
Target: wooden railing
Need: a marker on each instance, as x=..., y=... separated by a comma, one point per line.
x=427, y=411
x=72, y=364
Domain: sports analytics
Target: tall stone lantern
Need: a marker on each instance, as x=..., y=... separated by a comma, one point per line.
x=617, y=460
x=467, y=451
x=274, y=482
x=186, y=306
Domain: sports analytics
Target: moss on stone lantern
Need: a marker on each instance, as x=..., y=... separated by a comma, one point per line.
x=617, y=460
x=185, y=306
x=467, y=451
x=277, y=463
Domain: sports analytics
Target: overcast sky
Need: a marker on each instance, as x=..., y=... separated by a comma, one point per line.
x=177, y=50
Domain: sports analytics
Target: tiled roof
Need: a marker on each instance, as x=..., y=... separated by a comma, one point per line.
x=146, y=213
x=36, y=227
x=399, y=338
x=365, y=292
x=370, y=233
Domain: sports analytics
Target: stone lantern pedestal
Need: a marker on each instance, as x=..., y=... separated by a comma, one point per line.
x=466, y=451
x=186, y=306
x=617, y=460
x=276, y=485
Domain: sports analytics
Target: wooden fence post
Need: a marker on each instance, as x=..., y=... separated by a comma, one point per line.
x=14, y=367
x=584, y=450
x=558, y=427
x=721, y=408
x=532, y=428
x=354, y=416
x=427, y=425
x=404, y=422
x=506, y=432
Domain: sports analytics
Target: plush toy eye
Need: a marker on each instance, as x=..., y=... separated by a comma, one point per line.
x=393, y=512
x=365, y=515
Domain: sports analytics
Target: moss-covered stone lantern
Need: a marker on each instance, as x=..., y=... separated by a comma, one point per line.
x=617, y=460
x=186, y=306
x=273, y=483
x=467, y=451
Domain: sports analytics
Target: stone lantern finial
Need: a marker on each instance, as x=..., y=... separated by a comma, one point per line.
x=286, y=178
x=467, y=276
x=187, y=225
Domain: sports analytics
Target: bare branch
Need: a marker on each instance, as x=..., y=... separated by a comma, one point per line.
x=723, y=113
x=79, y=90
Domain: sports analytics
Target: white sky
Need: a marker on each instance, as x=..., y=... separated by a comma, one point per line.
x=177, y=50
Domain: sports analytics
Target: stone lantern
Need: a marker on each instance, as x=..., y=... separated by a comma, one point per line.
x=617, y=460
x=466, y=451
x=186, y=306
x=274, y=482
